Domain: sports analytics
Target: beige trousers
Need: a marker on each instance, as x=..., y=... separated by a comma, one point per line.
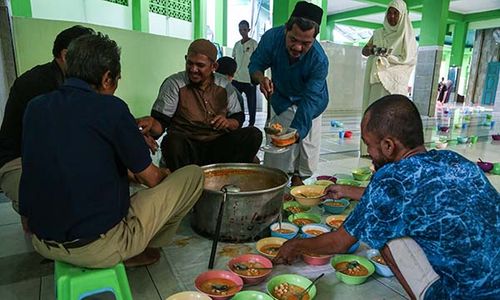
x=302, y=157
x=10, y=175
x=152, y=221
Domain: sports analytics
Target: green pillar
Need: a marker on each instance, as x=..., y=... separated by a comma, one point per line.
x=433, y=25
x=221, y=22
x=140, y=15
x=282, y=9
x=328, y=31
x=200, y=19
x=430, y=53
x=324, y=32
x=458, y=44
x=21, y=8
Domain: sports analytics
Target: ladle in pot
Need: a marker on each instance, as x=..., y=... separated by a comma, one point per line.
x=228, y=188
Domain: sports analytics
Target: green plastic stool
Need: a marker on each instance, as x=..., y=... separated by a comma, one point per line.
x=76, y=283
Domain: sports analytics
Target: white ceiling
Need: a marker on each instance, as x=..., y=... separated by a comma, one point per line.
x=473, y=6
x=336, y=6
x=459, y=6
x=379, y=18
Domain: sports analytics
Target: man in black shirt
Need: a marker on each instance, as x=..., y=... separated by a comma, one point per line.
x=79, y=143
x=37, y=81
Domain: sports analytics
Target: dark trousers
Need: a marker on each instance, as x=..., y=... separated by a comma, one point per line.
x=250, y=92
x=238, y=146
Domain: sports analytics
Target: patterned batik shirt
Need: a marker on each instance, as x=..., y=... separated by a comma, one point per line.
x=447, y=205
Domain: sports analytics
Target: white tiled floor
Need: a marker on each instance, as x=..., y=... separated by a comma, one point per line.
x=25, y=275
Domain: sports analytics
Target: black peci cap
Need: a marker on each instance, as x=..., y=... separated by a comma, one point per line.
x=308, y=11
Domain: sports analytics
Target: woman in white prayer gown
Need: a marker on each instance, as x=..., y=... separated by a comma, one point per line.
x=389, y=73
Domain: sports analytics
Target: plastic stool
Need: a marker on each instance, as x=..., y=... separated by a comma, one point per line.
x=76, y=283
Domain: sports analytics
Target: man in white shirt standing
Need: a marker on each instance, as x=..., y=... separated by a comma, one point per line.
x=242, y=51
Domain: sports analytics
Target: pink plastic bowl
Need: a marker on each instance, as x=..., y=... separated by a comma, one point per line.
x=348, y=134
x=316, y=260
x=327, y=177
x=251, y=280
x=214, y=274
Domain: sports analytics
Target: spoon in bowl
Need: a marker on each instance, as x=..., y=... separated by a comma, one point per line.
x=223, y=287
x=306, y=290
x=243, y=267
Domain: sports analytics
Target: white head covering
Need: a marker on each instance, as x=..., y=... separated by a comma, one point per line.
x=395, y=70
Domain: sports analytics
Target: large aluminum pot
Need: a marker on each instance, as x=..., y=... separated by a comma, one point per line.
x=246, y=213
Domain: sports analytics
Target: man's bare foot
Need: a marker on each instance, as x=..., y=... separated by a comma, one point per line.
x=296, y=180
x=147, y=257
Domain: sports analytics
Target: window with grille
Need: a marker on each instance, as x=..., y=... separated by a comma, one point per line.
x=179, y=9
x=121, y=2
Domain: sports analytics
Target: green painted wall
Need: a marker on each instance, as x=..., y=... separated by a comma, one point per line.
x=146, y=59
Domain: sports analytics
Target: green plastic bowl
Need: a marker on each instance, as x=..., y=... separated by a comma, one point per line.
x=362, y=174
x=346, y=181
x=348, y=279
x=293, y=279
x=288, y=204
x=251, y=295
x=313, y=217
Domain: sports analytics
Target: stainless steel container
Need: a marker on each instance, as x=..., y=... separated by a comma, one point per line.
x=246, y=213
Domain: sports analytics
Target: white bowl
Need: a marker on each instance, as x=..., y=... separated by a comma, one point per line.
x=381, y=269
x=189, y=296
x=319, y=227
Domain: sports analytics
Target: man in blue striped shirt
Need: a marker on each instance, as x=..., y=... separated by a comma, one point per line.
x=297, y=91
